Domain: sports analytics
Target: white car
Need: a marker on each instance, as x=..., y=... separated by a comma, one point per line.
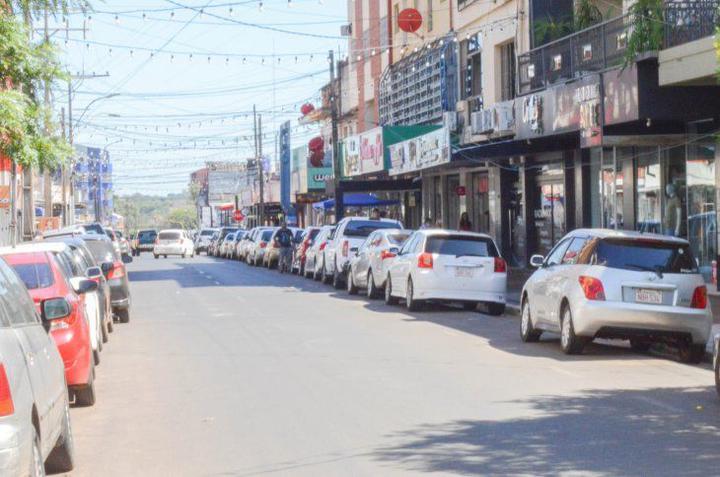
x=598, y=283
x=368, y=268
x=173, y=242
x=258, y=245
x=35, y=429
x=315, y=253
x=203, y=240
x=228, y=241
x=349, y=234
x=450, y=266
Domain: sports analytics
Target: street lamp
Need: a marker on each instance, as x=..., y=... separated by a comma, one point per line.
x=107, y=96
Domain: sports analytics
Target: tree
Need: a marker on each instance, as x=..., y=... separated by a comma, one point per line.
x=183, y=218
x=646, y=34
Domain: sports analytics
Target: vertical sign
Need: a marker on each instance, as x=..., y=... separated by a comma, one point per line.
x=285, y=166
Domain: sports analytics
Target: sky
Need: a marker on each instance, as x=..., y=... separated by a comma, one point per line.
x=184, y=76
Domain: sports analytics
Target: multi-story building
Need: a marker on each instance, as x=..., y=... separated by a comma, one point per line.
x=93, y=184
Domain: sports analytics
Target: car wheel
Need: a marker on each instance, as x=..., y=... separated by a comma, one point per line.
x=156, y=256
x=569, y=341
x=96, y=356
x=86, y=396
x=324, y=278
x=337, y=280
x=62, y=457
x=351, y=288
x=528, y=333
x=639, y=345
x=124, y=315
x=104, y=331
x=372, y=291
x=389, y=299
x=37, y=468
x=110, y=326
x=410, y=302
x=164, y=256
x=495, y=309
x=690, y=353
x=469, y=306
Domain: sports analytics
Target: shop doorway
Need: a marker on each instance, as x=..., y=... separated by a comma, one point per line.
x=549, y=214
x=453, y=210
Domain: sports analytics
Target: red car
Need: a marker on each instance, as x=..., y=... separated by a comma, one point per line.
x=44, y=279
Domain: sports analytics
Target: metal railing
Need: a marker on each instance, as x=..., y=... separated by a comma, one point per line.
x=690, y=21
x=597, y=48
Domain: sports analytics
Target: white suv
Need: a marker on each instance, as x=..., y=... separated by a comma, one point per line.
x=349, y=234
x=622, y=285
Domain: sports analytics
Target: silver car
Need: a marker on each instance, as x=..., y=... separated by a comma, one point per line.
x=314, y=255
x=368, y=268
x=258, y=245
x=619, y=285
x=35, y=429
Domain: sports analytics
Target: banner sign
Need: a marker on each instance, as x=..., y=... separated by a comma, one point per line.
x=364, y=153
x=319, y=172
x=421, y=152
x=285, y=165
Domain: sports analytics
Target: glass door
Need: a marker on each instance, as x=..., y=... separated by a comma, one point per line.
x=549, y=215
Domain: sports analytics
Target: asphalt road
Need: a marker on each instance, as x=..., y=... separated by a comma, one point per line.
x=227, y=370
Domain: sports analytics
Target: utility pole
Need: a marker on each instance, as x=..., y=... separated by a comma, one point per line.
x=261, y=172
x=47, y=177
x=339, y=203
x=63, y=177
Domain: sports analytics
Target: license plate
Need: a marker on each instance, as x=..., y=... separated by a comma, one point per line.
x=464, y=272
x=648, y=296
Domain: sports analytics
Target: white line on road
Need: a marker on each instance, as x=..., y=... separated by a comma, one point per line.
x=565, y=372
x=659, y=404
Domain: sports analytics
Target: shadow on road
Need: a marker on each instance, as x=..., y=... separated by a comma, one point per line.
x=672, y=431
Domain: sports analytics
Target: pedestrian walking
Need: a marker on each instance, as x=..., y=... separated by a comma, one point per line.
x=465, y=224
x=284, y=240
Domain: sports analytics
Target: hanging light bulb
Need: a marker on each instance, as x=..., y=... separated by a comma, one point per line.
x=208, y=59
x=190, y=57
x=117, y=20
x=231, y=11
x=289, y=3
x=260, y=6
x=172, y=14
x=152, y=55
x=227, y=61
x=110, y=52
x=132, y=54
x=172, y=58
x=144, y=17
x=244, y=60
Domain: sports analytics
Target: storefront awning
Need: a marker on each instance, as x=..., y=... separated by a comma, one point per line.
x=355, y=200
x=226, y=206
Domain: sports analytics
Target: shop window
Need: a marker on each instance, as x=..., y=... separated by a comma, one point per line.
x=549, y=210
x=702, y=216
x=661, y=190
x=649, y=194
x=471, y=65
x=606, y=193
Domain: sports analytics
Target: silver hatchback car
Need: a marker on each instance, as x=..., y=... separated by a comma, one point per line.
x=599, y=283
x=35, y=427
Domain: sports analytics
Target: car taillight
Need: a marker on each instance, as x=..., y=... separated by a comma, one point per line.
x=699, y=298
x=118, y=271
x=592, y=287
x=425, y=260
x=7, y=407
x=263, y=244
x=387, y=254
x=345, y=248
x=322, y=246
x=500, y=265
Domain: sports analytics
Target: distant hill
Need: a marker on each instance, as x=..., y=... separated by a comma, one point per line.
x=152, y=211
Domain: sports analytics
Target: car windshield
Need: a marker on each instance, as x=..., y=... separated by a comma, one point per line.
x=206, y=233
x=169, y=236
x=35, y=275
x=397, y=238
x=461, y=246
x=101, y=250
x=363, y=228
x=93, y=229
x=645, y=255
x=148, y=235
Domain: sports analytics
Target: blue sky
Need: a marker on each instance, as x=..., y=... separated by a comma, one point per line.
x=171, y=107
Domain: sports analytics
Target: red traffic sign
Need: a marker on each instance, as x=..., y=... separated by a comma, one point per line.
x=409, y=20
x=460, y=190
x=238, y=216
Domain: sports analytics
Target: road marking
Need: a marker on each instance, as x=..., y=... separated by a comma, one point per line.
x=565, y=372
x=659, y=404
x=217, y=282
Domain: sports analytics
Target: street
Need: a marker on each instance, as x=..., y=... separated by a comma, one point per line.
x=226, y=369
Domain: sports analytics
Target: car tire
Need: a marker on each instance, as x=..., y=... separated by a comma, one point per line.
x=569, y=341
x=639, y=345
x=124, y=315
x=104, y=332
x=352, y=289
x=85, y=397
x=164, y=256
x=96, y=356
x=690, y=353
x=372, y=290
x=389, y=299
x=324, y=277
x=410, y=302
x=37, y=467
x=337, y=281
x=62, y=457
x=495, y=309
x=156, y=256
x=528, y=332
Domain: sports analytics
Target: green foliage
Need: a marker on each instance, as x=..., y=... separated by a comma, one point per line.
x=183, y=218
x=551, y=29
x=37, y=7
x=646, y=34
x=148, y=211
x=587, y=14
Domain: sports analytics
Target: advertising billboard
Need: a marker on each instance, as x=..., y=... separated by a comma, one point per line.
x=421, y=152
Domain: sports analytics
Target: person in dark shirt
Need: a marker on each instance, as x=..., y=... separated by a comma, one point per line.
x=284, y=239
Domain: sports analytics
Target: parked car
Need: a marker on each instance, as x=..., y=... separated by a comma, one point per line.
x=448, y=266
x=315, y=253
x=243, y=246
x=145, y=241
x=77, y=229
x=239, y=236
x=258, y=247
x=213, y=244
x=92, y=270
x=173, y=242
x=113, y=267
x=225, y=245
x=349, y=234
x=34, y=401
x=272, y=255
x=306, y=241
x=368, y=268
x=124, y=244
x=620, y=285
x=44, y=278
x=202, y=240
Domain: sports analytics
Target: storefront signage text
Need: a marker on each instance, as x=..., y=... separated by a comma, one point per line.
x=428, y=150
x=364, y=153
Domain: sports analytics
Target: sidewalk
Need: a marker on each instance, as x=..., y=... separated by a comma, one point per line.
x=518, y=276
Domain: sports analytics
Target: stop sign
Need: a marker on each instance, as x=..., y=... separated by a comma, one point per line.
x=238, y=216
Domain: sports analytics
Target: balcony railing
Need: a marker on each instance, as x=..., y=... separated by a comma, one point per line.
x=597, y=48
x=690, y=21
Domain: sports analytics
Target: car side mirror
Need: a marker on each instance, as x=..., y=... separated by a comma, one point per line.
x=54, y=309
x=537, y=261
x=93, y=272
x=126, y=258
x=81, y=285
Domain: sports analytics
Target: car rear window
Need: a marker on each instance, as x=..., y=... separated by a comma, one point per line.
x=101, y=250
x=398, y=238
x=312, y=234
x=206, y=233
x=266, y=235
x=363, y=228
x=645, y=255
x=169, y=236
x=35, y=275
x=461, y=246
x=147, y=235
x=94, y=229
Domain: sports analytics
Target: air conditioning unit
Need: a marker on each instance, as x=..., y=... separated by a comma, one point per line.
x=481, y=121
x=498, y=119
x=450, y=119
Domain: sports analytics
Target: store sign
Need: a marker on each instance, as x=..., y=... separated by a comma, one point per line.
x=421, y=152
x=460, y=191
x=4, y=197
x=588, y=98
x=319, y=176
x=364, y=153
x=532, y=112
